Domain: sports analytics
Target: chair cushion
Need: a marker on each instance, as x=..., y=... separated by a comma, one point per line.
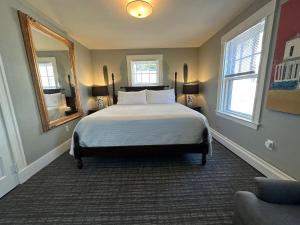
x=249, y=210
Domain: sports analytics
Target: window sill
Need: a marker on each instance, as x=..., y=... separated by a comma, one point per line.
x=252, y=124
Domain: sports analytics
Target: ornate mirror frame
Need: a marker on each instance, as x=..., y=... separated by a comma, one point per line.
x=26, y=23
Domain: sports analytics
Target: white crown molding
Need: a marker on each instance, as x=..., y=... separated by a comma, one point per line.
x=258, y=163
x=42, y=162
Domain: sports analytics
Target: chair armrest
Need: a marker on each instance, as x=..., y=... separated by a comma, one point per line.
x=278, y=191
x=244, y=202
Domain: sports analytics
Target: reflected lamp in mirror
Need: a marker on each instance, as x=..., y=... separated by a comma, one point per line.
x=190, y=89
x=100, y=92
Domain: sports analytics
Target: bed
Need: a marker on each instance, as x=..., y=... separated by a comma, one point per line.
x=56, y=104
x=141, y=129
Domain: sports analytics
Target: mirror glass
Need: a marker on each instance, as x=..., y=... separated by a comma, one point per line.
x=55, y=73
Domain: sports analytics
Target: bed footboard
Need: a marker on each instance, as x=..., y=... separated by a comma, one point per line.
x=80, y=152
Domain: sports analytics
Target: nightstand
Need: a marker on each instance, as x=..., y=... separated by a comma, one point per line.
x=90, y=111
x=197, y=108
x=70, y=112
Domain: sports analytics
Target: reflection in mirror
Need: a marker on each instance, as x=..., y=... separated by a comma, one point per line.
x=51, y=60
x=55, y=73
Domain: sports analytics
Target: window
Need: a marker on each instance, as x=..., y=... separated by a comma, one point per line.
x=244, y=59
x=241, y=66
x=48, y=72
x=144, y=70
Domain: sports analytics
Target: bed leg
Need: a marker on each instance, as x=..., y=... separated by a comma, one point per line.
x=203, y=161
x=77, y=151
x=79, y=163
x=205, y=145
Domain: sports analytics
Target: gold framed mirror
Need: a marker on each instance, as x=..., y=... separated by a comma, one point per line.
x=51, y=61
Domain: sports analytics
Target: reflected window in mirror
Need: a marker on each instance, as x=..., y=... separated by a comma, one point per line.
x=48, y=72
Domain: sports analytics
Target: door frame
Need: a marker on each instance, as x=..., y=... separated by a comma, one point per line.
x=14, y=137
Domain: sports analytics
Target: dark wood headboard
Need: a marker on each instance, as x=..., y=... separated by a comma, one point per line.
x=52, y=90
x=140, y=88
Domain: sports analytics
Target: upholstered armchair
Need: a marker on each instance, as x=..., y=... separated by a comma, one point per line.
x=277, y=202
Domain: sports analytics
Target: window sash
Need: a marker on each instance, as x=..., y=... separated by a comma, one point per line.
x=49, y=77
x=48, y=72
x=234, y=50
x=137, y=75
x=152, y=76
x=236, y=59
x=240, y=74
x=227, y=95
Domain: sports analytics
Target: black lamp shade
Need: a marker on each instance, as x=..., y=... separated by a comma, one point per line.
x=191, y=88
x=99, y=91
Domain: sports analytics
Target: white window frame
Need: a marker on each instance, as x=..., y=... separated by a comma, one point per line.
x=51, y=60
x=266, y=12
x=158, y=58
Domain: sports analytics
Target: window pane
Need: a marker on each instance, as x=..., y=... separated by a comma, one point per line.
x=242, y=95
x=145, y=78
x=237, y=66
x=248, y=47
x=51, y=82
x=256, y=63
x=145, y=72
x=47, y=75
x=153, y=67
x=259, y=44
x=45, y=82
x=50, y=70
x=138, y=78
x=246, y=64
x=43, y=70
x=153, y=78
x=242, y=51
x=238, y=52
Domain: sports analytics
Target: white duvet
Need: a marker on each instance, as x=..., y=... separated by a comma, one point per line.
x=152, y=124
x=57, y=112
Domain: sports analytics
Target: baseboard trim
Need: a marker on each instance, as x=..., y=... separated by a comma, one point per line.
x=42, y=162
x=258, y=163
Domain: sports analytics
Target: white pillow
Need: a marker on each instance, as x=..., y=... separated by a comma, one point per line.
x=161, y=97
x=132, y=98
x=63, y=100
x=53, y=100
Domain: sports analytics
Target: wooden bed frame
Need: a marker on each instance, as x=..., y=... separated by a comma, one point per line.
x=80, y=152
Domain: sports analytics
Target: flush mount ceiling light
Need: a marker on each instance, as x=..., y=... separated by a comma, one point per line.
x=139, y=8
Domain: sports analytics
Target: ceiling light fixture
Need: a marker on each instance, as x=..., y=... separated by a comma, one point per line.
x=139, y=8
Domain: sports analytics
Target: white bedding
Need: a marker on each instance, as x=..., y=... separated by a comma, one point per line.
x=57, y=112
x=151, y=124
x=56, y=105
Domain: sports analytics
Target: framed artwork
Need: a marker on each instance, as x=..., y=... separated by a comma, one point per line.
x=284, y=90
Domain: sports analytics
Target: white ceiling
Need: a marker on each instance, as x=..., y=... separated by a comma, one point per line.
x=105, y=24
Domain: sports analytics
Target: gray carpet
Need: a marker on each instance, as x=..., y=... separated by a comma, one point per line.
x=131, y=190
